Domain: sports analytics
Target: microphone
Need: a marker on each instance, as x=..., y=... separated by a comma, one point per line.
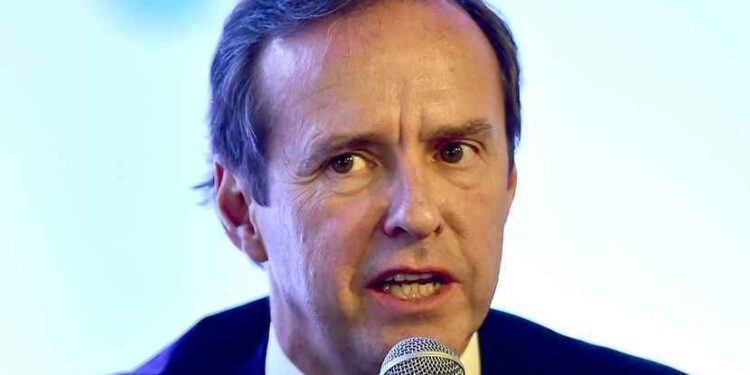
x=421, y=356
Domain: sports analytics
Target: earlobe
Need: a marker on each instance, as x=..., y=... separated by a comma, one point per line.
x=235, y=207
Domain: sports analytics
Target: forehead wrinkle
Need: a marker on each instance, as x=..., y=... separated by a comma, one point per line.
x=353, y=38
x=346, y=45
x=303, y=51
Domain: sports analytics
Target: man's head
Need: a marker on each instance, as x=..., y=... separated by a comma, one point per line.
x=359, y=145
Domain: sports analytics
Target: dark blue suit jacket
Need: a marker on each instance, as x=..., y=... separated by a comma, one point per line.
x=234, y=342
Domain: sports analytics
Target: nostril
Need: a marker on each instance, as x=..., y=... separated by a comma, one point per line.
x=416, y=219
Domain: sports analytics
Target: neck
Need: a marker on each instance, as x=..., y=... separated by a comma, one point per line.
x=307, y=346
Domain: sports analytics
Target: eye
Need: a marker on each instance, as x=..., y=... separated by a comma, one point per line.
x=455, y=152
x=347, y=163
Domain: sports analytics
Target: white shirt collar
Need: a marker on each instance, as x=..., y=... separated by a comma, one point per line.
x=278, y=363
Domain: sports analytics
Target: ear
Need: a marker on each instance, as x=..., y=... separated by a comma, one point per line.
x=235, y=205
x=511, y=185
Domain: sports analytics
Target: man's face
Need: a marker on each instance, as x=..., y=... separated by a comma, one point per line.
x=389, y=183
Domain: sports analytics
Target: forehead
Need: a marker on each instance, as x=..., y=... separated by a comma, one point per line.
x=379, y=60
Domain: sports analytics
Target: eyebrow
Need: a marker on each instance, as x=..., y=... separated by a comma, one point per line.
x=325, y=146
x=470, y=128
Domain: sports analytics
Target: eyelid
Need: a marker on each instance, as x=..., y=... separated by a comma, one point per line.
x=339, y=154
x=361, y=154
x=475, y=147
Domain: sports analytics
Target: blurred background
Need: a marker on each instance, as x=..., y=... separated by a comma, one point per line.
x=630, y=226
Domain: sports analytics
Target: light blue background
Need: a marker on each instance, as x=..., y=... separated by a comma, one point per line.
x=630, y=227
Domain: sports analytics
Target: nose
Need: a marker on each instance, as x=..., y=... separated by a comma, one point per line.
x=412, y=210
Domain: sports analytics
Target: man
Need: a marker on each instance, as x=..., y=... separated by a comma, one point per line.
x=364, y=157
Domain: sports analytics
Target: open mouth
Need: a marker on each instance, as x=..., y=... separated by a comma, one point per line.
x=410, y=285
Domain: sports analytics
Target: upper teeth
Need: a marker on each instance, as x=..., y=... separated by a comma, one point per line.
x=399, y=277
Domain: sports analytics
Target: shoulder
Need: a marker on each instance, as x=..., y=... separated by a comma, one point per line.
x=226, y=343
x=509, y=343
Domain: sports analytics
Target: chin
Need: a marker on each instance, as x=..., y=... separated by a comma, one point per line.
x=454, y=334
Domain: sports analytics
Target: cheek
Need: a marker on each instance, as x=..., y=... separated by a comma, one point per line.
x=337, y=220
x=335, y=239
x=476, y=212
x=477, y=216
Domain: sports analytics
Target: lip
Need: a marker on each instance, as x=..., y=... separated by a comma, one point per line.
x=395, y=307
x=444, y=275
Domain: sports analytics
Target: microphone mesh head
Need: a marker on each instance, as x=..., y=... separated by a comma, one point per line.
x=421, y=356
